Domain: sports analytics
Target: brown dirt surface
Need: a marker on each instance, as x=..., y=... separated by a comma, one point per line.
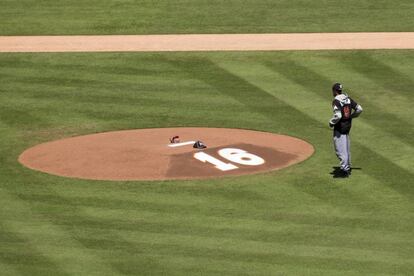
x=208, y=42
x=146, y=154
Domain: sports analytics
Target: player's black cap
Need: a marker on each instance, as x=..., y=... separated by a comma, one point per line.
x=337, y=87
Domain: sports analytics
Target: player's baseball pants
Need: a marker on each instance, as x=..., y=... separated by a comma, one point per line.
x=342, y=146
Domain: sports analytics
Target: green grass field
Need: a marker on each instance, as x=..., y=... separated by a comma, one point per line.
x=297, y=221
x=25, y=17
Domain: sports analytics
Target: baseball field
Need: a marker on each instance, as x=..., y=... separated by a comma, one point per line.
x=298, y=220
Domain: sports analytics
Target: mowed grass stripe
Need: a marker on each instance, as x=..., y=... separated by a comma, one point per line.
x=114, y=245
x=7, y=270
x=372, y=190
x=383, y=197
x=277, y=227
x=379, y=197
x=69, y=257
x=183, y=203
x=310, y=219
x=25, y=260
x=173, y=227
x=93, y=94
x=349, y=232
x=229, y=209
x=230, y=85
x=271, y=252
x=278, y=231
x=196, y=16
x=198, y=264
x=144, y=250
x=235, y=249
x=136, y=257
x=152, y=245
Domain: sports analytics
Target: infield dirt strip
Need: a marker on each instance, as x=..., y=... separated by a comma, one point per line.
x=147, y=154
x=208, y=42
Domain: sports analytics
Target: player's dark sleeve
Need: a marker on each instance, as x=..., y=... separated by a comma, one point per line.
x=337, y=114
x=356, y=107
x=353, y=104
x=337, y=104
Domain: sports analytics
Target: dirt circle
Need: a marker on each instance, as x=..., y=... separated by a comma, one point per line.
x=147, y=154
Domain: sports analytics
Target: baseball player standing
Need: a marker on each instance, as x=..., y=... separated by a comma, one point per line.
x=344, y=110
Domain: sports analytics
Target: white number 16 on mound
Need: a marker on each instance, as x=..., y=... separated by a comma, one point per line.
x=238, y=156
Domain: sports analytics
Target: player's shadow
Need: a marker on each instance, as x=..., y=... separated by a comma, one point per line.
x=338, y=173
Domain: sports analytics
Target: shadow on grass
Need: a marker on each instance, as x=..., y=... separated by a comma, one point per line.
x=338, y=173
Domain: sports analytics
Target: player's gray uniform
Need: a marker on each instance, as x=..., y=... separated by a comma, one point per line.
x=342, y=122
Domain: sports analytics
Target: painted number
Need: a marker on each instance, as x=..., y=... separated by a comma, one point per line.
x=238, y=156
x=204, y=157
x=241, y=157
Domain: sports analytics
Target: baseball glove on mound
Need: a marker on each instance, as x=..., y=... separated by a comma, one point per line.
x=199, y=145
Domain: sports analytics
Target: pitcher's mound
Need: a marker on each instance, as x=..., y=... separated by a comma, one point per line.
x=148, y=154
